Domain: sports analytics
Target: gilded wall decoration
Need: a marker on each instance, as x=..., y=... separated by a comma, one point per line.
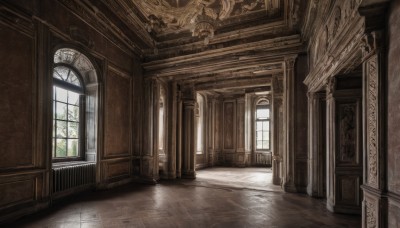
x=347, y=132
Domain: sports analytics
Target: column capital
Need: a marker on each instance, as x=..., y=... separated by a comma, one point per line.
x=372, y=42
x=289, y=61
x=330, y=85
x=189, y=103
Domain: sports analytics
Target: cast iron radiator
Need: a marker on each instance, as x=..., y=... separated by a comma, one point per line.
x=72, y=176
x=263, y=159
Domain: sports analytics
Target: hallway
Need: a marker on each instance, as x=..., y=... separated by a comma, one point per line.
x=219, y=197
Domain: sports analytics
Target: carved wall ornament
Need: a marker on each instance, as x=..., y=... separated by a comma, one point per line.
x=371, y=217
x=370, y=42
x=155, y=24
x=330, y=85
x=180, y=14
x=289, y=62
x=336, y=21
x=347, y=132
x=203, y=26
x=372, y=124
x=324, y=67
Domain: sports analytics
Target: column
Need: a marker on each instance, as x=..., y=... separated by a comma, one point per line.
x=375, y=202
x=316, y=145
x=277, y=128
x=172, y=125
x=149, y=167
x=289, y=113
x=188, y=136
x=330, y=143
x=179, y=135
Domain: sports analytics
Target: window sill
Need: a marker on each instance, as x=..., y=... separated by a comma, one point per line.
x=70, y=163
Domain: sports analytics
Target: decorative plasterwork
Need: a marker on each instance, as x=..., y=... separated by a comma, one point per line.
x=203, y=26
x=336, y=43
x=174, y=15
x=370, y=213
x=372, y=121
x=330, y=85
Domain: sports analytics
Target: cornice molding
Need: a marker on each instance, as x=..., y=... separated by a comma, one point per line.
x=288, y=42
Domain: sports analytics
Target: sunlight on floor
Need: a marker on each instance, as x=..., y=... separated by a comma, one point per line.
x=250, y=178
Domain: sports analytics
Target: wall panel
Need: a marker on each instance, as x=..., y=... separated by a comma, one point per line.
x=117, y=115
x=229, y=125
x=117, y=169
x=17, y=55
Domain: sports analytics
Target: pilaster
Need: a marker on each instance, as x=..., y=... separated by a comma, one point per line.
x=188, y=135
x=289, y=114
x=316, y=145
x=277, y=128
x=374, y=188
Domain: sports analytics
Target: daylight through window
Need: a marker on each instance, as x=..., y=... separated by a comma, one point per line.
x=262, y=126
x=67, y=96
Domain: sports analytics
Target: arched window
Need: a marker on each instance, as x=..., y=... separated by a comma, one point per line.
x=263, y=125
x=200, y=117
x=68, y=95
x=75, y=107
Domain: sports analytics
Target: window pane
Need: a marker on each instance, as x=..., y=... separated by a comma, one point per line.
x=61, y=148
x=73, y=98
x=259, y=135
x=54, y=109
x=259, y=125
x=265, y=135
x=61, y=129
x=265, y=144
x=266, y=125
x=61, y=111
x=53, y=151
x=59, y=73
x=73, y=130
x=267, y=113
x=73, y=113
x=262, y=113
x=61, y=94
x=259, y=144
x=73, y=147
x=73, y=79
x=66, y=74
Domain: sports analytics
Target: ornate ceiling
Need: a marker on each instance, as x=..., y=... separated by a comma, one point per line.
x=166, y=16
x=213, y=44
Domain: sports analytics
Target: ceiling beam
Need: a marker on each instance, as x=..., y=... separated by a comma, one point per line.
x=235, y=84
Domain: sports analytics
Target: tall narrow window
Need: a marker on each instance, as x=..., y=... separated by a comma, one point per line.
x=262, y=126
x=161, y=127
x=199, y=115
x=67, y=95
